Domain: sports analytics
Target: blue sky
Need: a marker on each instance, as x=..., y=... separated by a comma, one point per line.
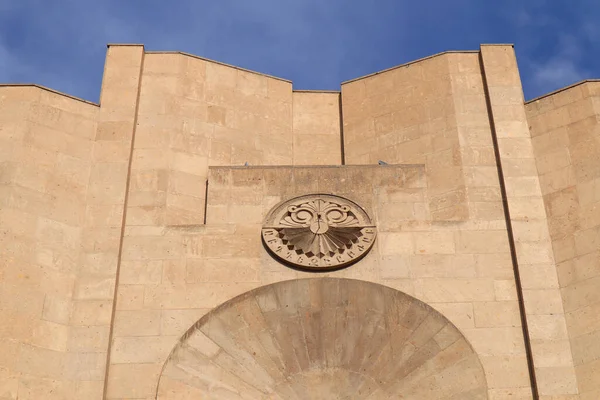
x=315, y=43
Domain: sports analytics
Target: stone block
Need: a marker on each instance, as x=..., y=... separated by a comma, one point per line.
x=581, y=294
x=130, y=297
x=434, y=242
x=530, y=230
x=107, y=183
x=187, y=184
x=177, y=322
x=199, y=295
x=558, y=179
x=552, y=353
x=85, y=366
x=497, y=314
x=526, y=208
x=220, y=75
x=103, y=215
x=222, y=270
x=89, y=339
x=554, y=160
x=586, y=376
x=396, y=243
x=525, y=186
x=141, y=350
x=40, y=362
x=506, y=371
x=89, y=390
x=50, y=335
x=583, y=320
x=585, y=348
x=133, y=380
x=221, y=246
x=9, y=384
x=556, y=380
x=33, y=387
x=118, y=131
x=457, y=290
x=538, y=276
x=481, y=242
x=519, y=167
x=505, y=290
x=497, y=341
x=543, y=301
x=547, y=327
x=57, y=309
x=18, y=299
x=188, y=163
x=587, y=241
x=534, y=252
x=442, y=266
x=149, y=180
x=92, y=312
x=94, y=288
x=152, y=247
x=136, y=323
x=110, y=151
x=523, y=393
x=146, y=215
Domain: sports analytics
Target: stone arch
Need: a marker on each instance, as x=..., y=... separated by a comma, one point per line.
x=323, y=338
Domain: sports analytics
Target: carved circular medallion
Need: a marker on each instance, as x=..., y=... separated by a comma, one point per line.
x=318, y=232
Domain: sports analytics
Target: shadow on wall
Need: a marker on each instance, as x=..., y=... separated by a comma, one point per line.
x=323, y=338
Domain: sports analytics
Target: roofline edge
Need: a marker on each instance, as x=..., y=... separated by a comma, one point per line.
x=584, y=81
x=220, y=63
x=410, y=63
x=49, y=90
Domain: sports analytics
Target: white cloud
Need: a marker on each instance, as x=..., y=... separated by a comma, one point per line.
x=564, y=68
x=558, y=72
x=284, y=38
x=315, y=43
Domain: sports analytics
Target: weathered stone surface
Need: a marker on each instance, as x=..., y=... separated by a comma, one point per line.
x=565, y=130
x=123, y=223
x=323, y=339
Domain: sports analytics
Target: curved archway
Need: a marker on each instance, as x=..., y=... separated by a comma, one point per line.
x=322, y=338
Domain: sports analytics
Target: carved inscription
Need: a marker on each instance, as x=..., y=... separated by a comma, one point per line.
x=318, y=232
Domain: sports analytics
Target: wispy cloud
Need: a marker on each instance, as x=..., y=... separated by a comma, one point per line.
x=284, y=38
x=315, y=43
x=558, y=72
x=563, y=68
x=556, y=43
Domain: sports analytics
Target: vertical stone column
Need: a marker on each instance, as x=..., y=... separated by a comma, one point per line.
x=484, y=240
x=94, y=295
x=551, y=352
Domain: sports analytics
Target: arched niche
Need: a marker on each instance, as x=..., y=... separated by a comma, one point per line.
x=322, y=338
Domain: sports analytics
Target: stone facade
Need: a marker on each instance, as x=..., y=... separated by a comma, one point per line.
x=132, y=264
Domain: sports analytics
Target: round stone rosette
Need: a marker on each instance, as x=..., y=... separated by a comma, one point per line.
x=318, y=232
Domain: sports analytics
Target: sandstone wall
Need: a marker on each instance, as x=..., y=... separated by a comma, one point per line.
x=566, y=144
x=194, y=113
x=47, y=153
x=65, y=175
x=123, y=224
x=173, y=275
x=323, y=339
x=430, y=111
x=532, y=248
x=316, y=126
